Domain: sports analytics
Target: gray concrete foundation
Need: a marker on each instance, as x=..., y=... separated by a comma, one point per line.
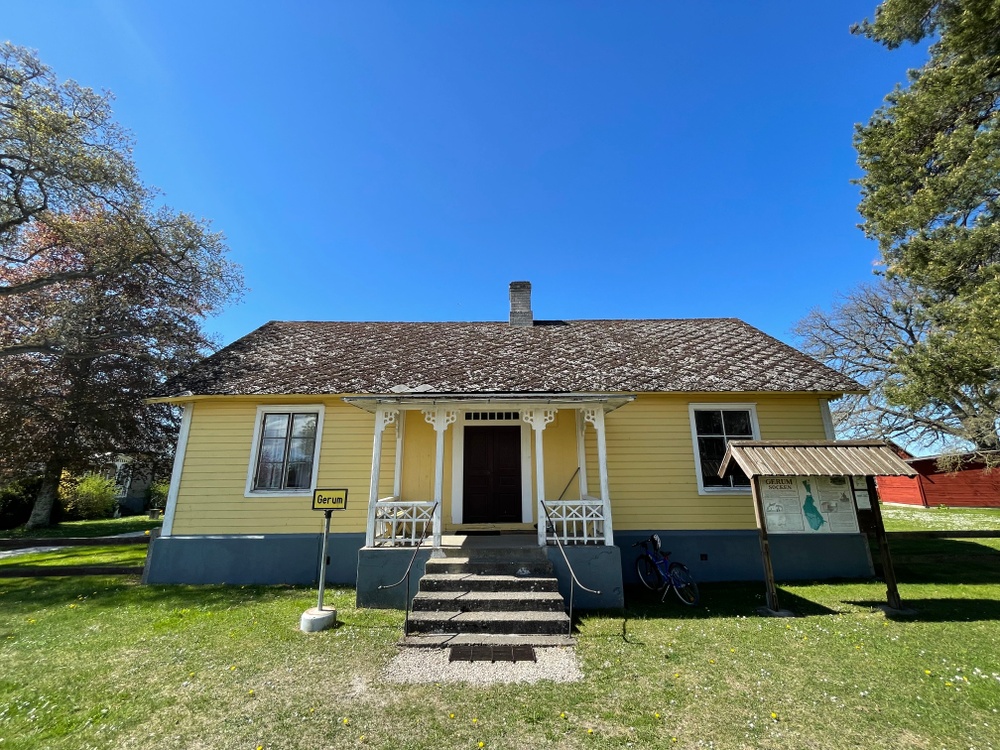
x=735, y=555
x=383, y=566
x=596, y=567
x=293, y=559
x=252, y=559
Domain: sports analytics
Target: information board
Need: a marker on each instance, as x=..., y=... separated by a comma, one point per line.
x=808, y=505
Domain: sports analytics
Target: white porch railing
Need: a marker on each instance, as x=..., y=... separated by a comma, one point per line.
x=578, y=521
x=401, y=523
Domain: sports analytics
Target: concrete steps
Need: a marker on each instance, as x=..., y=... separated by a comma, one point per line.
x=499, y=623
x=437, y=640
x=486, y=566
x=472, y=582
x=489, y=601
x=476, y=596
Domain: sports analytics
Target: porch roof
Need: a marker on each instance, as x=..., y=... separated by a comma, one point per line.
x=805, y=458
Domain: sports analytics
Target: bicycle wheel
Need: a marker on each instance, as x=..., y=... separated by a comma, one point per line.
x=683, y=584
x=649, y=574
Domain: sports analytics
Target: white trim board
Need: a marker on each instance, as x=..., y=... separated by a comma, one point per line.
x=177, y=471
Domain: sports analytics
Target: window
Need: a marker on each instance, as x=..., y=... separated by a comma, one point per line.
x=712, y=427
x=286, y=450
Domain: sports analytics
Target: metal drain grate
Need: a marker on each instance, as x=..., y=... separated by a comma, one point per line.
x=491, y=653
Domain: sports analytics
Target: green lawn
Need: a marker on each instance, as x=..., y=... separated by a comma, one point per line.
x=916, y=518
x=105, y=527
x=103, y=662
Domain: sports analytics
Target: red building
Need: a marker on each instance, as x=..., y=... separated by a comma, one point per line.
x=972, y=486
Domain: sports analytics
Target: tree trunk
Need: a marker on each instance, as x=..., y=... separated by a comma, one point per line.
x=41, y=513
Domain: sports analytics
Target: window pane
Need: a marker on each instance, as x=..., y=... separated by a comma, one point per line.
x=299, y=475
x=269, y=476
x=738, y=478
x=301, y=449
x=711, y=450
x=272, y=450
x=708, y=422
x=738, y=425
x=304, y=426
x=275, y=425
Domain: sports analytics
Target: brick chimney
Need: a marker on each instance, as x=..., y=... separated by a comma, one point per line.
x=520, y=304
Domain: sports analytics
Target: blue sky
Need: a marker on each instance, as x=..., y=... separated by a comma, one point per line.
x=407, y=160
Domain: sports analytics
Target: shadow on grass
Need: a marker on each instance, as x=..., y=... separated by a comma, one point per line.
x=941, y=610
x=108, y=527
x=942, y=561
x=718, y=600
x=25, y=595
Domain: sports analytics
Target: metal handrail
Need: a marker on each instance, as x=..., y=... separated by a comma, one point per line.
x=573, y=580
x=406, y=575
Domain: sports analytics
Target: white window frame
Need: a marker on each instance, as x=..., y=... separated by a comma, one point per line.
x=726, y=406
x=318, y=409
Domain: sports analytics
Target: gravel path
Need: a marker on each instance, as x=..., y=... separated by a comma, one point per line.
x=5, y=553
x=432, y=665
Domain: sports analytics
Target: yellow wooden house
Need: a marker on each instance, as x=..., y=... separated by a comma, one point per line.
x=610, y=430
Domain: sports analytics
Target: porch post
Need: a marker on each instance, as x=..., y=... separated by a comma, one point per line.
x=581, y=451
x=397, y=476
x=383, y=418
x=538, y=419
x=596, y=417
x=439, y=419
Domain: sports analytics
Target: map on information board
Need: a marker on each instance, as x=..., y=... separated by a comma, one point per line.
x=807, y=505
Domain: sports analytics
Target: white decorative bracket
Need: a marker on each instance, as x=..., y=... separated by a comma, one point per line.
x=439, y=419
x=590, y=415
x=538, y=418
x=384, y=418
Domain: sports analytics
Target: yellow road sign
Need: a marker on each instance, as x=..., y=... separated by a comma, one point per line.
x=330, y=499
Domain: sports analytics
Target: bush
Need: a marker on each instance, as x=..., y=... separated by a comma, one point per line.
x=93, y=496
x=158, y=495
x=16, y=501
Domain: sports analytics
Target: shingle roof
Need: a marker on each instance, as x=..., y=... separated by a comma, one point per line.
x=708, y=354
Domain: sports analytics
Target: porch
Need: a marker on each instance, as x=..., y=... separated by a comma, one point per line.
x=491, y=487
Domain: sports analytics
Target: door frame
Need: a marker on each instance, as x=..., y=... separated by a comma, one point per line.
x=458, y=463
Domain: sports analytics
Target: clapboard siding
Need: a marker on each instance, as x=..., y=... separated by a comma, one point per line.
x=651, y=464
x=211, y=493
x=904, y=490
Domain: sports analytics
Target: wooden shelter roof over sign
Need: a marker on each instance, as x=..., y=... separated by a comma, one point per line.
x=805, y=458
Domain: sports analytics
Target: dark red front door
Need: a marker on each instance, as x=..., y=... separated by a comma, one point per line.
x=491, y=488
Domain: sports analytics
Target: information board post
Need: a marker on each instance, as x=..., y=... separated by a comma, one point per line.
x=765, y=548
x=320, y=617
x=891, y=590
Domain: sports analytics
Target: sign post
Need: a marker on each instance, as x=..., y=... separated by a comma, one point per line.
x=319, y=617
x=322, y=559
